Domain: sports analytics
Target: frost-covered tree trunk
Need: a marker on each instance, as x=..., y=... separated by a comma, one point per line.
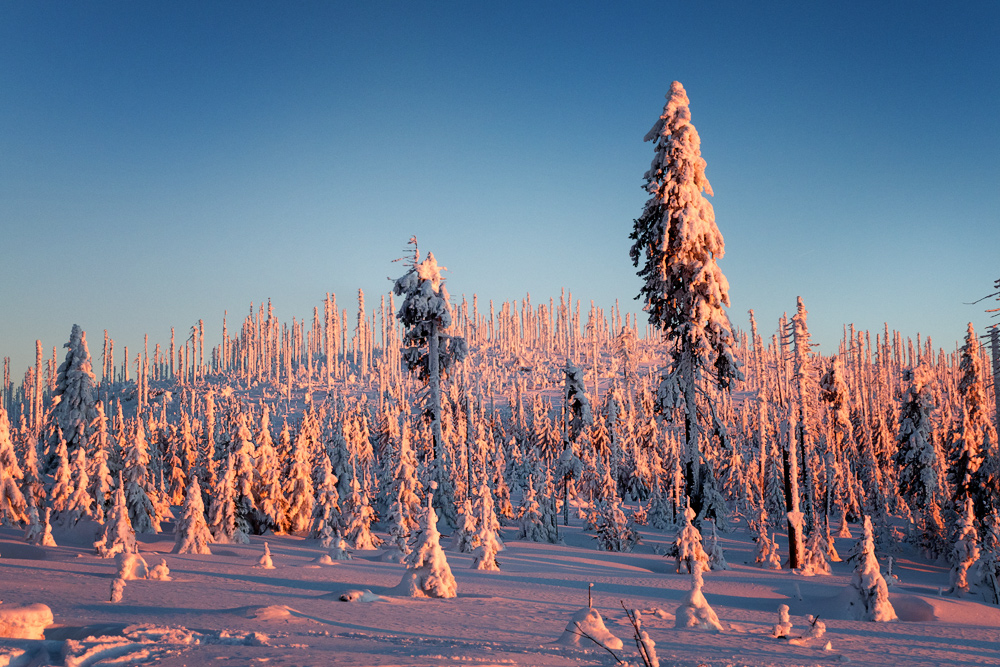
x=685, y=292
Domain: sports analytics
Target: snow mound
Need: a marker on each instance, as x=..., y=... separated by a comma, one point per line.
x=27, y=622
x=275, y=612
x=588, y=621
x=359, y=596
x=322, y=559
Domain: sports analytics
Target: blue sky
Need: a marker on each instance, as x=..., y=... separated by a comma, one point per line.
x=163, y=162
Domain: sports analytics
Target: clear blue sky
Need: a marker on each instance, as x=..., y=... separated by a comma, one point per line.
x=164, y=162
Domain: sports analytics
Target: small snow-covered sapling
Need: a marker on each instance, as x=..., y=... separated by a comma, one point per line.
x=784, y=626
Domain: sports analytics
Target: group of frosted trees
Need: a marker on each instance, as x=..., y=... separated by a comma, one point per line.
x=532, y=416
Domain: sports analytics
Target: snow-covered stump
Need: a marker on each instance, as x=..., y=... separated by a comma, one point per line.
x=27, y=622
x=695, y=612
x=427, y=571
x=868, y=593
x=587, y=627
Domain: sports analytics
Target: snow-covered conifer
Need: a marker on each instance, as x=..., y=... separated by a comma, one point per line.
x=118, y=536
x=784, y=625
x=684, y=290
x=265, y=559
x=427, y=571
x=694, y=611
x=869, y=598
x=137, y=485
x=101, y=480
x=535, y=524
x=357, y=518
x=430, y=352
x=299, y=487
x=80, y=502
x=687, y=548
x=243, y=449
x=487, y=538
x=964, y=550
x=12, y=502
x=62, y=487
x=404, y=506
x=814, y=558
x=267, y=492
x=222, y=515
x=192, y=535
x=613, y=530
x=465, y=533
x=326, y=516
x=919, y=463
x=75, y=396
x=716, y=558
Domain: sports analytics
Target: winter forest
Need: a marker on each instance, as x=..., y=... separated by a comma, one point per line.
x=420, y=480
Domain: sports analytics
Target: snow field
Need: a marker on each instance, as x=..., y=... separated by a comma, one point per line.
x=215, y=603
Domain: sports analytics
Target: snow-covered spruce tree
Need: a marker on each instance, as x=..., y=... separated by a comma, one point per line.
x=74, y=399
x=427, y=571
x=326, y=518
x=716, y=558
x=101, y=480
x=987, y=569
x=869, y=599
x=694, y=610
x=357, y=518
x=429, y=351
x=465, y=532
x=687, y=548
x=964, y=551
x=487, y=539
x=920, y=464
x=192, y=533
x=12, y=503
x=806, y=424
x=138, y=489
x=222, y=515
x=244, y=473
x=834, y=392
x=536, y=520
x=578, y=414
x=971, y=431
x=62, y=486
x=404, y=506
x=613, y=530
x=80, y=503
x=684, y=290
x=299, y=487
x=267, y=492
x=118, y=536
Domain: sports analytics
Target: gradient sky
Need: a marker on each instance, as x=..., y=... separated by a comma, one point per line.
x=163, y=162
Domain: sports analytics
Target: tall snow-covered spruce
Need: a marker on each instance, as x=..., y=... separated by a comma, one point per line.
x=429, y=350
x=684, y=290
